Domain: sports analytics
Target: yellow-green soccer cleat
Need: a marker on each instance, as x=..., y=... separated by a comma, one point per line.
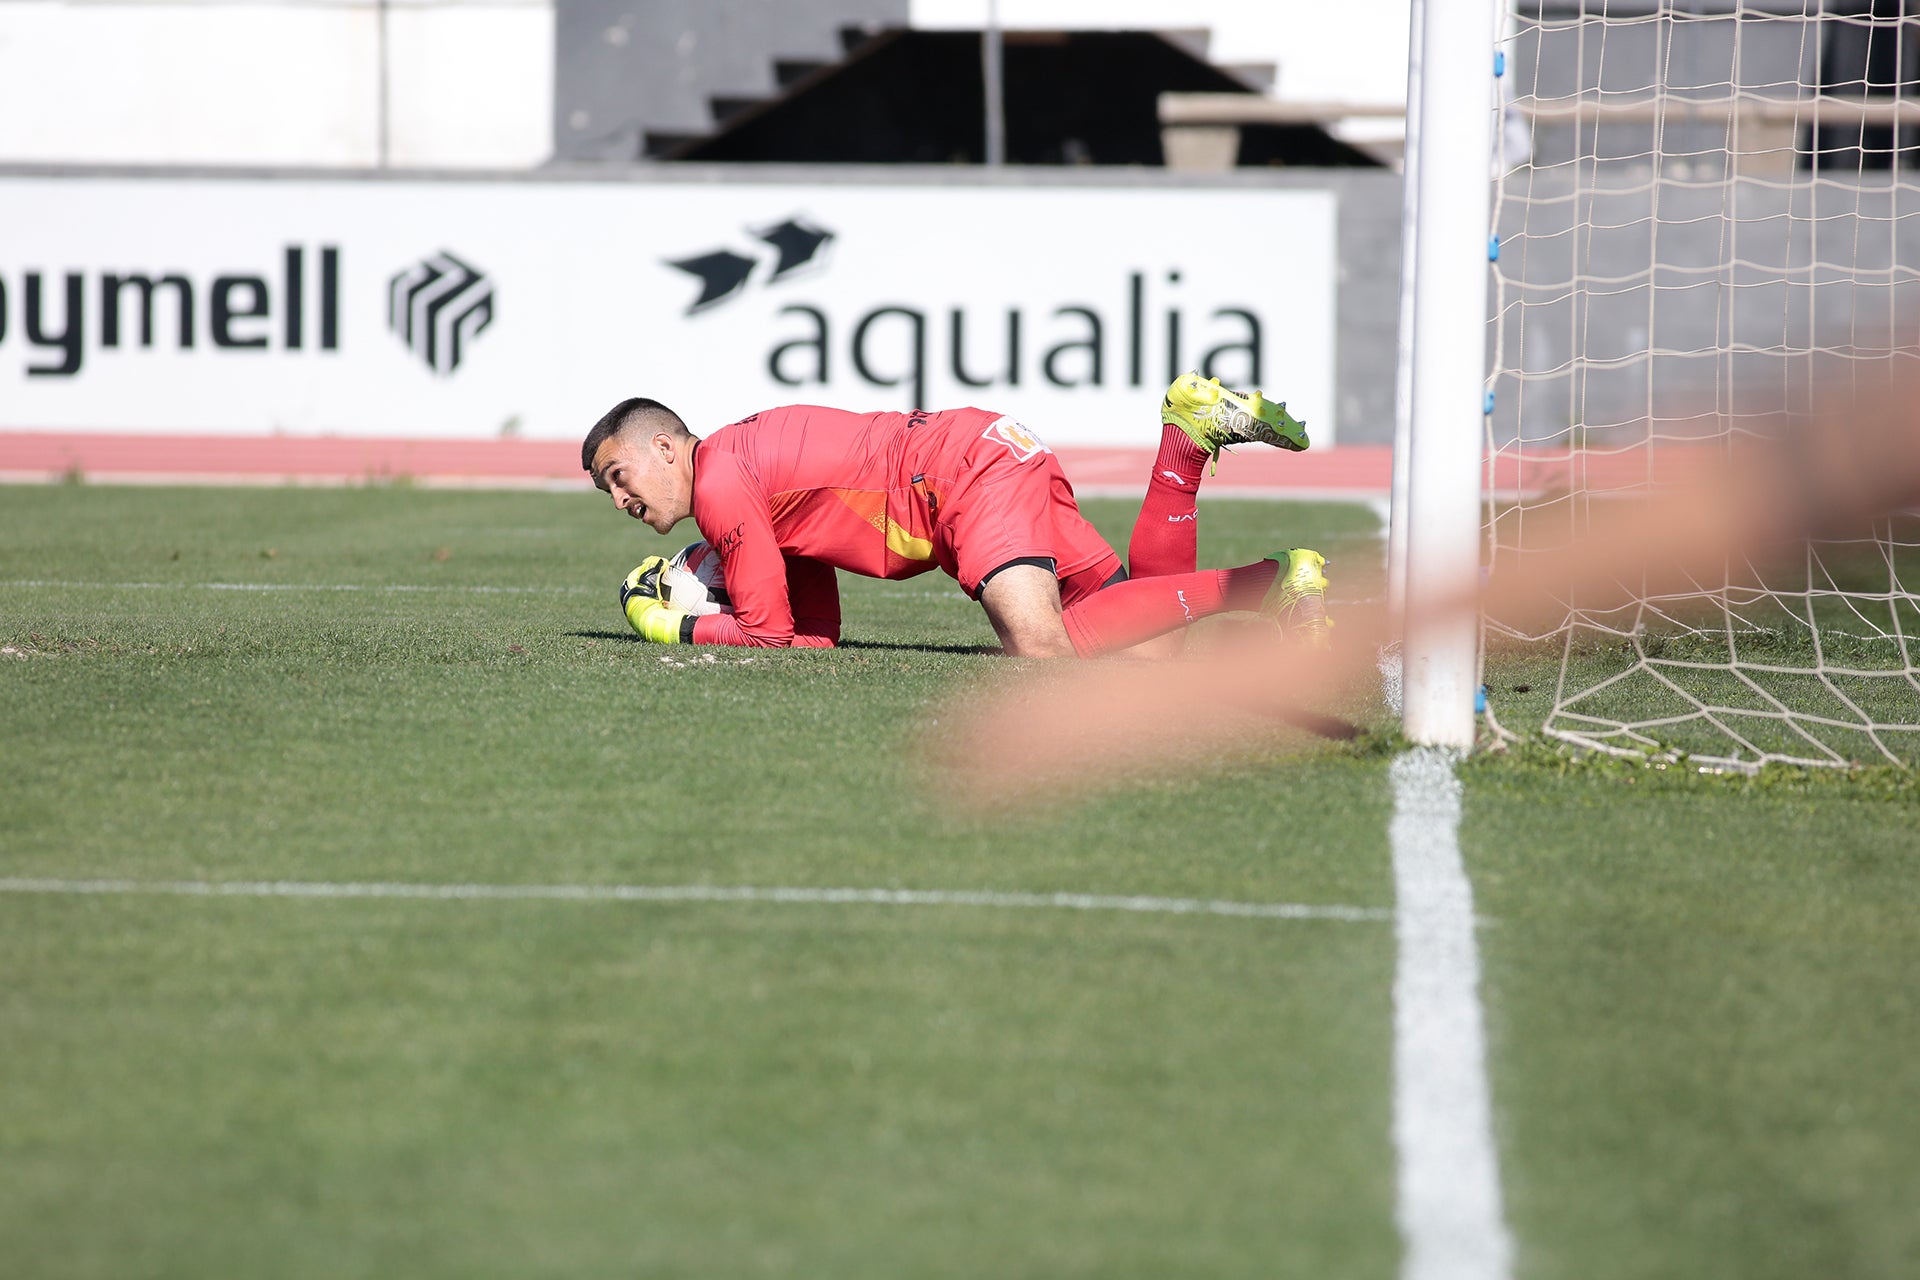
x=1214, y=417
x=1297, y=600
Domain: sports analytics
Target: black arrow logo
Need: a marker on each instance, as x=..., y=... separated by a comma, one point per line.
x=721, y=273
x=798, y=242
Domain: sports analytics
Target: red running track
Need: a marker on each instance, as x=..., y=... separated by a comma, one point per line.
x=32, y=455
x=1356, y=471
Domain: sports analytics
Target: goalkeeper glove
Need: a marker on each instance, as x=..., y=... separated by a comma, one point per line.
x=642, y=600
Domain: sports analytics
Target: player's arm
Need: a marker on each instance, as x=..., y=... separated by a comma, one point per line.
x=725, y=628
x=734, y=516
x=813, y=597
x=814, y=594
x=763, y=609
x=643, y=598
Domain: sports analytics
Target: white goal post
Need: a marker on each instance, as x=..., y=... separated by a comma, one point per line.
x=1450, y=136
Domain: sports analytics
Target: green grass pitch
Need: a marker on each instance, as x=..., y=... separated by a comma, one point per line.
x=1699, y=990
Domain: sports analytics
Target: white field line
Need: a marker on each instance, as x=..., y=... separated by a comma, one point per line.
x=53, y=583
x=699, y=893
x=1248, y=493
x=916, y=593
x=880, y=588
x=370, y=479
x=1448, y=1204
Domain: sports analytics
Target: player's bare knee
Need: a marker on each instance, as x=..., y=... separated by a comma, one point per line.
x=1023, y=604
x=818, y=630
x=1041, y=646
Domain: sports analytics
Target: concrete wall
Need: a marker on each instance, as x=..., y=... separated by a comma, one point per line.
x=1319, y=52
x=351, y=83
x=628, y=66
x=1367, y=313
x=505, y=83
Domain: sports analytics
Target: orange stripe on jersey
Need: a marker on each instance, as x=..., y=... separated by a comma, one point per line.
x=871, y=506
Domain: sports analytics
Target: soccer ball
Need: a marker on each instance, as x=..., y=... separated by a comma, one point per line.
x=693, y=582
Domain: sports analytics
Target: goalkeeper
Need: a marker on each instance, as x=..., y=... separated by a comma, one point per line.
x=789, y=495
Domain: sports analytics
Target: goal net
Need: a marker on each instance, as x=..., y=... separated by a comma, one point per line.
x=1705, y=208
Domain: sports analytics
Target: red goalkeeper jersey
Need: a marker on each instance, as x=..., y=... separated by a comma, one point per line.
x=855, y=491
x=886, y=495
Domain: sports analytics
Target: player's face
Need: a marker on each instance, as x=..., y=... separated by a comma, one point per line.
x=650, y=477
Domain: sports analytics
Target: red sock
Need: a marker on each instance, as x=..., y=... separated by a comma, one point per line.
x=1124, y=614
x=1244, y=588
x=1166, y=536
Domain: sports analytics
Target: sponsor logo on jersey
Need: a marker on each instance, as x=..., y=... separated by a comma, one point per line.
x=1020, y=442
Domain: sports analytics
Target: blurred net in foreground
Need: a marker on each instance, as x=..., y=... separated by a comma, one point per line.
x=1719, y=211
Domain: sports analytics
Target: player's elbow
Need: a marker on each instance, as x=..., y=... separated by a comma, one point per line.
x=816, y=633
x=801, y=637
x=768, y=637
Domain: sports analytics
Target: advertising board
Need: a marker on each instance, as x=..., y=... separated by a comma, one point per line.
x=463, y=309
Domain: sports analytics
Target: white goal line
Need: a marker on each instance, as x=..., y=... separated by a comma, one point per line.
x=700, y=893
x=1449, y=1202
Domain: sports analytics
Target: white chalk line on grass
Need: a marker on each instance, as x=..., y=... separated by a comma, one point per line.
x=29, y=584
x=294, y=586
x=1448, y=1203
x=32, y=584
x=700, y=893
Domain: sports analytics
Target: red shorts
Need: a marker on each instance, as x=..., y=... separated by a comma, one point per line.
x=1014, y=503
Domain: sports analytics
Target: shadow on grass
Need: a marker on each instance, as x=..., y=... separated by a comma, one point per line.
x=844, y=644
x=883, y=645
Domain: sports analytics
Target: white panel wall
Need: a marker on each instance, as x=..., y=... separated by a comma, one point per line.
x=471, y=84
x=252, y=82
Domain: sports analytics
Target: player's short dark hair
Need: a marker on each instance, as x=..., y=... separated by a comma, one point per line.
x=633, y=412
